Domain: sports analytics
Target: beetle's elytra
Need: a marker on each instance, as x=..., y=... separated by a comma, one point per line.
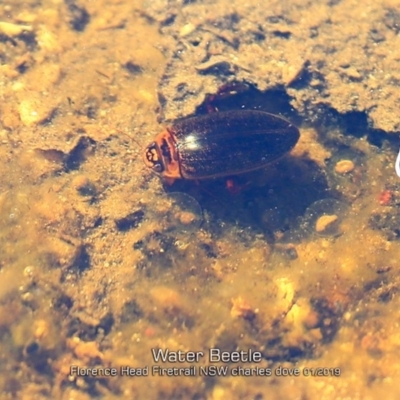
x=220, y=144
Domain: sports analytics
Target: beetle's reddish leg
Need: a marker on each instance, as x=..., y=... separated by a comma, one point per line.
x=234, y=187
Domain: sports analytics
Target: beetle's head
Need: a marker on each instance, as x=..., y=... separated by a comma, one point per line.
x=162, y=156
x=153, y=158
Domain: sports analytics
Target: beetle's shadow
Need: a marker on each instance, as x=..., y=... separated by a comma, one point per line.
x=247, y=97
x=267, y=201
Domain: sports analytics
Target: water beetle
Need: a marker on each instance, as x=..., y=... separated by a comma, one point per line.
x=220, y=144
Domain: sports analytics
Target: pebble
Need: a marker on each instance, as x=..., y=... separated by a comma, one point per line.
x=187, y=29
x=48, y=41
x=326, y=223
x=41, y=329
x=9, y=117
x=34, y=110
x=344, y=166
x=11, y=30
x=186, y=217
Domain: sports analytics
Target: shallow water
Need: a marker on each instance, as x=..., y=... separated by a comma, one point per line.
x=101, y=263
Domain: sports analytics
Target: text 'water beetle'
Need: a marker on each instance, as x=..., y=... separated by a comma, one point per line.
x=220, y=144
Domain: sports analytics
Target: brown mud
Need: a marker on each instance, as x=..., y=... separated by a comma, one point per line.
x=100, y=263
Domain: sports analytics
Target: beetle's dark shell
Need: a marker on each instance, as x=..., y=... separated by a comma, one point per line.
x=230, y=143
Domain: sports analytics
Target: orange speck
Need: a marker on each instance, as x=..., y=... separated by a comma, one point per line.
x=149, y=332
x=385, y=197
x=233, y=187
